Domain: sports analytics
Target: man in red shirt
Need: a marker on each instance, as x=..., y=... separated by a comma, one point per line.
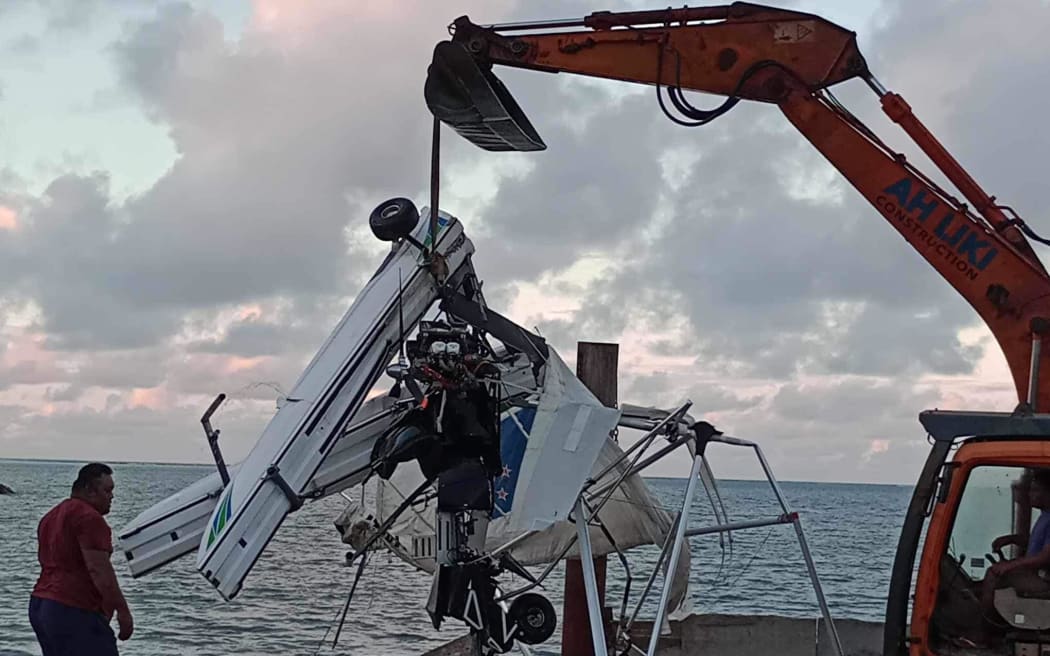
x=77, y=592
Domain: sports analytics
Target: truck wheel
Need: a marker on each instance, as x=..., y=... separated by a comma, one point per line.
x=393, y=219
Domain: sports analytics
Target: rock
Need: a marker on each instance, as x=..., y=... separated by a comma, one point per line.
x=5, y=490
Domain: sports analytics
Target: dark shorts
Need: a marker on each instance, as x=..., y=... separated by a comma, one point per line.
x=64, y=630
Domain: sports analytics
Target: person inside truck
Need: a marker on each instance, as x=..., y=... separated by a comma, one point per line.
x=1024, y=574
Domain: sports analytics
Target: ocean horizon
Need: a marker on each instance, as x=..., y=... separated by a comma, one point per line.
x=291, y=600
x=211, y=466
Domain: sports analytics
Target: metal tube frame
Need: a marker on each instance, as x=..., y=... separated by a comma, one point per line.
x=435, y=189
x=600, y=496
x=593, y=497
x=647, y=440
x=671, y=531
x=653, y=432
x=714, y=494
x=543, y=575
x=818, y=590
x=607, y=494
x=671, y=549
x=671, y=446
x=738, y=526
x=676, y=550
x=590, y=579
x=623, y=563
x=714, y=497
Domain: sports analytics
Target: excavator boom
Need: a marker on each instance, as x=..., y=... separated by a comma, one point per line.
x=751, y=52
x=724, y=54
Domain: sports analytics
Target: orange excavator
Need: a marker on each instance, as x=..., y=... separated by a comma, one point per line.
x=977, y=483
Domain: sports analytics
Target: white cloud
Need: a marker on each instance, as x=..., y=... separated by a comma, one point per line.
x=732, y=263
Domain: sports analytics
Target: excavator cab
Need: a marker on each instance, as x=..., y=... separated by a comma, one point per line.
x=974, y=607
x=983, y=493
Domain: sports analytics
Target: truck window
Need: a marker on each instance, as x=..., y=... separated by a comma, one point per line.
x=986, y=511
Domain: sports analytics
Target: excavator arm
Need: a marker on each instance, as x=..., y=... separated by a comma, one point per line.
x=750, y=52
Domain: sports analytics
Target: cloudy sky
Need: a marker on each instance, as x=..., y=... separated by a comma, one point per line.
x=184, y=192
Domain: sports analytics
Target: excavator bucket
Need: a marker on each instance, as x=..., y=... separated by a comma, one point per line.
x=475, y=103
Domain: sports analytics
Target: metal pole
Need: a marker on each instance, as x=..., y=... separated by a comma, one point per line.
x=1033, y=370
x=435, y=185
x=628, y=579
x=671, y=530
x=543, y=575
x=676, y=549
x=711, y=486
x=590, y=579
x=876, y=86
x=506, y=545
x=623, y=476
x=649, y=436
x=535, y=25
x=817, y=589
x=669, y=447
x=737, y=526
x=213, y=439
x=772, y=479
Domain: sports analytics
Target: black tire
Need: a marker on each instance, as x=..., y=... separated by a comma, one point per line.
x=393, y=219
x=534, y=616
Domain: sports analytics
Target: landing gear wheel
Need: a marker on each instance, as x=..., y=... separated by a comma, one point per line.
x=393, y=219
x=534, y=616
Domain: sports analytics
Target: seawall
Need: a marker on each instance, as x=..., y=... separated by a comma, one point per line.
x=746, y=635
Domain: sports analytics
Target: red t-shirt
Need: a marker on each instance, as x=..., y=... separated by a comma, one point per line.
x=63, y=532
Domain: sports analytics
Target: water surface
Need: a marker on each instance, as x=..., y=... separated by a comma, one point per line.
x=291, y=598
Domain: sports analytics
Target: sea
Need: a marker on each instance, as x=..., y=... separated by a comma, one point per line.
x=291, y=602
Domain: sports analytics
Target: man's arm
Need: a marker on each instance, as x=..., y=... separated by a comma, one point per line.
x=1034, y=562
x=96, y=545
x=105, y=579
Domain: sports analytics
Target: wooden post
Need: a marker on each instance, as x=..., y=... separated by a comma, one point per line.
x=596, y=366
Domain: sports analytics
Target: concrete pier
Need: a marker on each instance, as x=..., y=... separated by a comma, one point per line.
x=744, y=635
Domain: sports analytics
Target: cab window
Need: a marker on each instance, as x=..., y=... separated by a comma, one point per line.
x=987, y=510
